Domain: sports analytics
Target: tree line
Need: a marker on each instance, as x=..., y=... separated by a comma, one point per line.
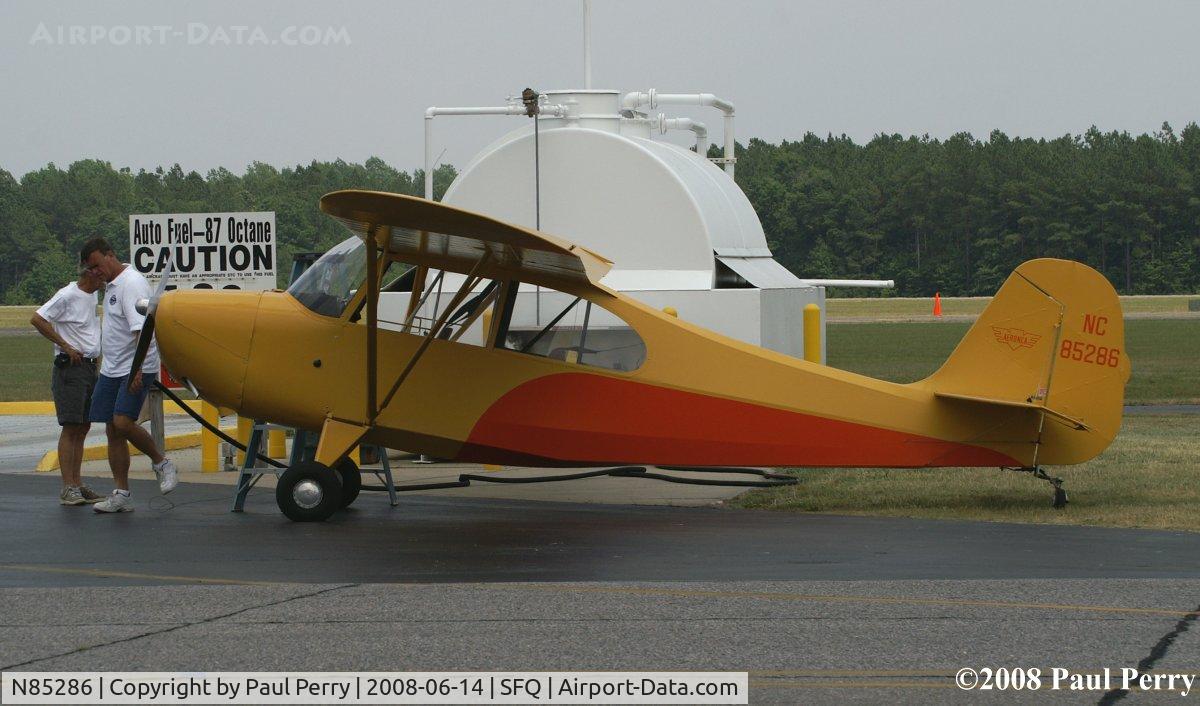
x=48, y=213
x=958, y=215
x=954, y=215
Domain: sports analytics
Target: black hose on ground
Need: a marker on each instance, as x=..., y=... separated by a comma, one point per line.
x=773, y=480
x=213, y=428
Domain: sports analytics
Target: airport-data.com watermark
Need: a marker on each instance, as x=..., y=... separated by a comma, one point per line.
x=195, y=34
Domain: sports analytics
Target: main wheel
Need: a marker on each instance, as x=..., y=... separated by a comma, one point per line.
x=309, y=492
x=351, y=481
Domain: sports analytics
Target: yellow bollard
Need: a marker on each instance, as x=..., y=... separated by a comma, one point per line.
x=210, y=446
x=812, y=333
x=245, y=426
x=277, y=443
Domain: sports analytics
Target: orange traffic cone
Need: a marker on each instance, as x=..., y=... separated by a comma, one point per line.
x=937, y=304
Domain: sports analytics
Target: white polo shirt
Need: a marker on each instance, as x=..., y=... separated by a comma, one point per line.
x=72, y=314
x=123, y=323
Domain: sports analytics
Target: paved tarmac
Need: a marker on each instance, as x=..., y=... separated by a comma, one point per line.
x=24, y=439
x=436, y=539
x=818, y=608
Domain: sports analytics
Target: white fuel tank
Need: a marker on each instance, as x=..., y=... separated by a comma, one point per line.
x=678, y=229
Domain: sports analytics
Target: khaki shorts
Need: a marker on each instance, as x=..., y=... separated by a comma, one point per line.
x=72, y=387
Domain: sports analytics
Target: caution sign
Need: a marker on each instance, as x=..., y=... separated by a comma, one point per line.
x=210, y=250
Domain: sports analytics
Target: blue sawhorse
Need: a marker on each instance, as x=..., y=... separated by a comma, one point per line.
x=303, y=449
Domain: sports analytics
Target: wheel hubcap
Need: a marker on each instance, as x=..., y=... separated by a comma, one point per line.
x=307, y=494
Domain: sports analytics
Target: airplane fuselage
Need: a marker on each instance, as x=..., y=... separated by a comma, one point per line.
x=698, y=398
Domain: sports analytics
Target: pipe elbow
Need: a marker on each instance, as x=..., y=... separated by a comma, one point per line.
x=635, y=99
x=715, y=102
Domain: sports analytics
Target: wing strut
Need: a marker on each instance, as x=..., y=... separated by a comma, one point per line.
x=373, y=275
x=468, y=284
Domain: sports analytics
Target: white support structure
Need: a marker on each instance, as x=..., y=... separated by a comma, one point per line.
x=587, y=44
x=861, y=283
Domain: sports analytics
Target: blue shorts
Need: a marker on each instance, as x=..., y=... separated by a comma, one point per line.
x=112, y=397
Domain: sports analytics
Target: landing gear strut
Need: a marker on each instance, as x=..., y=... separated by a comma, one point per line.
x=1060, y=495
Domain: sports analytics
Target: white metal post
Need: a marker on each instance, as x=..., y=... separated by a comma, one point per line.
x=587, y=44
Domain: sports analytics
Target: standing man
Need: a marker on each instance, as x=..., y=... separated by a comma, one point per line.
x=119, y=394
x=68, y=319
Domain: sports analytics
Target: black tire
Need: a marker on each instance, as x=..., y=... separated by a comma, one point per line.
x=316, y=480
x=351, y=481
x=1060, y=498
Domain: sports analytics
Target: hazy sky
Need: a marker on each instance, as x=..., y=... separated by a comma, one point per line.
x=170, y=82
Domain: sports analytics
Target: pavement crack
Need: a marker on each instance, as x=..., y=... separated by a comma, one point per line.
x=180, y=626
x=1156, y=653
x=613, y=619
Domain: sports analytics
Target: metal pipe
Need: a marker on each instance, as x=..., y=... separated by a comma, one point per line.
x=699, y=128
x=653, y=99
x=862, y=283
x=434, y=111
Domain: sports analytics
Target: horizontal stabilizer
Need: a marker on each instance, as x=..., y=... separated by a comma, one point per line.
x=1013, y=403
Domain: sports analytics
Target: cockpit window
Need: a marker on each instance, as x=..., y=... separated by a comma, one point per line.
x=556, y=325
x=329, y=285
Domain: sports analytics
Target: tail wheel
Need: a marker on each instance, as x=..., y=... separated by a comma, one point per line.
x=351, y=479
x=309, y=492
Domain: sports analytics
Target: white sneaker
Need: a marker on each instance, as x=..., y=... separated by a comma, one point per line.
x=116, y=502
x=168, y=475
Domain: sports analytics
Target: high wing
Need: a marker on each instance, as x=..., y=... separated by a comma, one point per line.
x=437, y=236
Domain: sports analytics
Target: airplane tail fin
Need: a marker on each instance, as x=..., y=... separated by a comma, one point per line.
x=1051, y=341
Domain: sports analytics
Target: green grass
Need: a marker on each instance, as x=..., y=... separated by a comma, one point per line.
x=1164, y=353
x=1147, y=478
x=16, y=317
x=902, y=307
x=916, y=307
x=25, y=365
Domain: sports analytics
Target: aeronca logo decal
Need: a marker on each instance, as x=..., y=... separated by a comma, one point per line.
x=1015, y=338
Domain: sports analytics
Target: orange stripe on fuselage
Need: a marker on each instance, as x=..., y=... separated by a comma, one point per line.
x=585, y=419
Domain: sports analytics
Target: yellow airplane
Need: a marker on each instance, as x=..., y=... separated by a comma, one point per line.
x=530, y=360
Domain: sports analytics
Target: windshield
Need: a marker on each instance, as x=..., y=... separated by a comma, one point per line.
x=327, y=287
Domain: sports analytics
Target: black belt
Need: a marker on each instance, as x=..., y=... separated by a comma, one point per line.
x=67, y=358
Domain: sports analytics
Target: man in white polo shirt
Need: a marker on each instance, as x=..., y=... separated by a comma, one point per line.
x=69, y=320
x=119, y=394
